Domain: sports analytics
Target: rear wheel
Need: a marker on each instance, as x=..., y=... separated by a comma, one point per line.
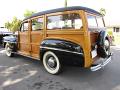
x=8, y=50
x=51, y=62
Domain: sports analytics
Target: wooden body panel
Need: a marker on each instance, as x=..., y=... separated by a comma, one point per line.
x=36, y=38
x=93, y=36
x=76, y=36
x=29, y=42
x=24, y=43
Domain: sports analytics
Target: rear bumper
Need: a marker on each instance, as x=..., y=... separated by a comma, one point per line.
x=103, y=63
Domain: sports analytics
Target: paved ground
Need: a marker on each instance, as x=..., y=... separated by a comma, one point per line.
x=20, y=73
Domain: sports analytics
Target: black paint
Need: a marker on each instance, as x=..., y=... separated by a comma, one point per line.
x=64, y=45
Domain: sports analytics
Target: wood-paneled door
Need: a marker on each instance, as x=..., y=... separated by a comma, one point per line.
x=36, y=35
x=24, y=39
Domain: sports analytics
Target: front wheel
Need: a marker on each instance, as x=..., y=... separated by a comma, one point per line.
x=51, y=63
x=8, y=50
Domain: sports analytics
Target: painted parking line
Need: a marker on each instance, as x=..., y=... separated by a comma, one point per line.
x=1, y=88
x=2, y=51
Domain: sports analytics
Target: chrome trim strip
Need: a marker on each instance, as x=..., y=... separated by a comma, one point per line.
x=57, y=49
x=101, y=65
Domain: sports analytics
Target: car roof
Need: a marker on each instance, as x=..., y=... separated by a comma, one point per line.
x=64, y=9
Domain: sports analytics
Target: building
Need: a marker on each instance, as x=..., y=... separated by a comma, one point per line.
x=114, y=32
x=114, y=29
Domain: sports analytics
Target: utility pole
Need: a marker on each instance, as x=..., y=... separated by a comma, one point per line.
x=65, y=3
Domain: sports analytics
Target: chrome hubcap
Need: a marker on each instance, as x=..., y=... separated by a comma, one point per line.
x=106, y=43
x=8, y=50
x=51, y=63
x=107, y=46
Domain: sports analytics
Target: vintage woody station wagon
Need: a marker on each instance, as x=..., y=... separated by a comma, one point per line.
x=53, y=36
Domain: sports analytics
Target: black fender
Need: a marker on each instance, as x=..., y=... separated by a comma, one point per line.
x=12, y=40
x=101, y=44
x=65, y=50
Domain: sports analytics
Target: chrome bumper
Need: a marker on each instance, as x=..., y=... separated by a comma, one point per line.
x=102, y=64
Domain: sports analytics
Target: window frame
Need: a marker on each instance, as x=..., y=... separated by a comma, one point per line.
x=101, y=20
x=22, y=25
x=37, y=18
x=88, y=14
x=62, y=13
x=96, y=20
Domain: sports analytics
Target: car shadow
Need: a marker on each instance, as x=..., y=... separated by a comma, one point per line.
x=69, y=71
x=73, y=77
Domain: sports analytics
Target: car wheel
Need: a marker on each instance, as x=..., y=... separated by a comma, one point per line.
x=103, y=44
x=104, y=50
x=51, y=63
x=8, y=50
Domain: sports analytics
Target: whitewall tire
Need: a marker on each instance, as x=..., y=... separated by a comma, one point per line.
x=51, y=63
x=8, y=50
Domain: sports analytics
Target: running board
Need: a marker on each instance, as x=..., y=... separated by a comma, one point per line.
x=26, y=55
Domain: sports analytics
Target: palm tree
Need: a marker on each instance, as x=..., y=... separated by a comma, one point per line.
x=103, y=11
x=65, y=3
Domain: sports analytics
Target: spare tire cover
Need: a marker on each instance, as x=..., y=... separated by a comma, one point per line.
x=103, y=44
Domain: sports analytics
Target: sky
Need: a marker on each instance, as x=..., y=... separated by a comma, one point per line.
x=11, y=8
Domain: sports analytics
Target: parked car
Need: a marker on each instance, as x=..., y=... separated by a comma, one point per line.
x=53, y=36
x=9, y=39
x=4, y=32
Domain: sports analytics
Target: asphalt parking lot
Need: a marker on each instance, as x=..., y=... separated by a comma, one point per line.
x=21, y=73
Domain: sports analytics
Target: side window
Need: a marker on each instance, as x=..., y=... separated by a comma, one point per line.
x=37, y=24
x=65, y=21
x=24, y=26
x=100, y=22
x=91, y=21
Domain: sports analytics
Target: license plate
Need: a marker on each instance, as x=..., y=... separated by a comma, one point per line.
x=94, y=53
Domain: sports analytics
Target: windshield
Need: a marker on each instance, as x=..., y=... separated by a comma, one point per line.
x=94, y=21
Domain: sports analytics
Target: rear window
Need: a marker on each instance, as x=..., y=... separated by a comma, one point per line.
x=100, y=22
x=95, y=21
x=91, y=21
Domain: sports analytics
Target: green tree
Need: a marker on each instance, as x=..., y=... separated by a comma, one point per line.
x=28, y=13
x=103, y=11
x=14, y=25
x=8, y=25
x=65, y=3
